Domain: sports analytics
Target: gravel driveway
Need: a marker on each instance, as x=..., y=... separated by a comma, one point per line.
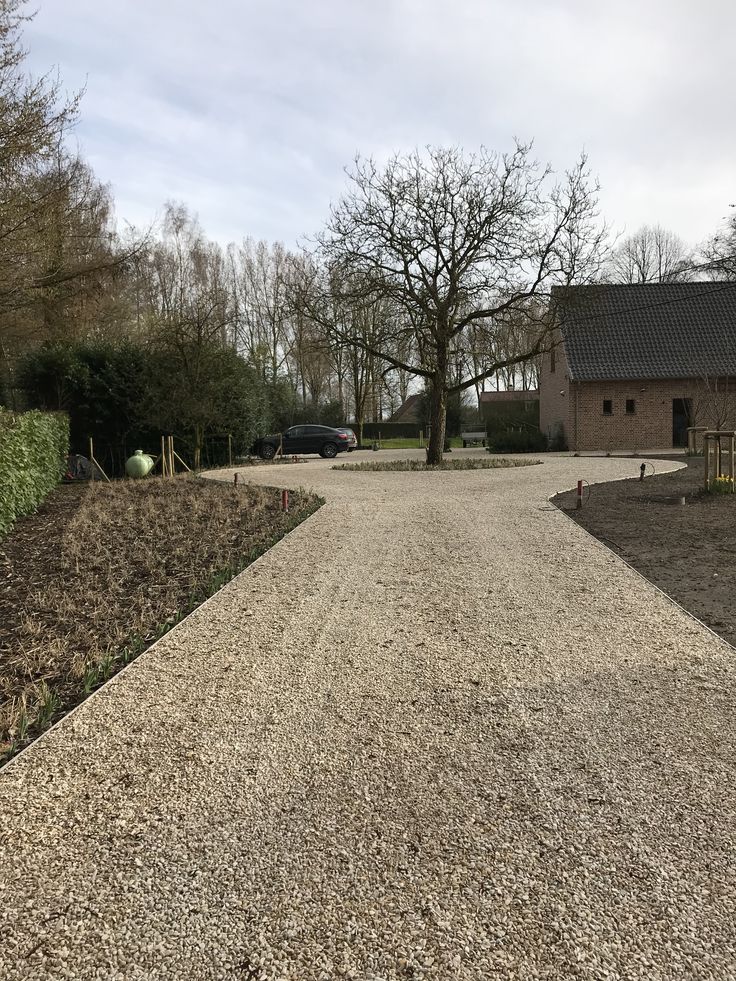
x=437, y=732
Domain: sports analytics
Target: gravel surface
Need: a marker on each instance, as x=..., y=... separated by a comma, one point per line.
x=437, y=732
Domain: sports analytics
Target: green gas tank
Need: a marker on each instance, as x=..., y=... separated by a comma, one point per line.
x=139, y=465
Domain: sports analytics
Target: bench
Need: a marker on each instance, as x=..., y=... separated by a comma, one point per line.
x=473, y=438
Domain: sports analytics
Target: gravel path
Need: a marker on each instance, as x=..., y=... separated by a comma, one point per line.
x=437, y=732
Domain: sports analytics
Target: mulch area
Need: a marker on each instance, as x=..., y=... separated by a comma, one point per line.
x=688, y=551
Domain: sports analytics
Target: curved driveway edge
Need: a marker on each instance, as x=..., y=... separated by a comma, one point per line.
x=437, y=732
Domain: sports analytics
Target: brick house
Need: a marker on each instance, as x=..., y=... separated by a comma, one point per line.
x=634, y=365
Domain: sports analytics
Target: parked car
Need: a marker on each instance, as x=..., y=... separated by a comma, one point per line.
x=300, y=440
x=352, y=438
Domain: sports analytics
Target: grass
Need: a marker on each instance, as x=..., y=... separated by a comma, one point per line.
x=103, y=571
x=468, y=463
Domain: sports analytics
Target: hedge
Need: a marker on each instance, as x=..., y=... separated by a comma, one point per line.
x=388, y=430
x=33, y=450
x=517, y=441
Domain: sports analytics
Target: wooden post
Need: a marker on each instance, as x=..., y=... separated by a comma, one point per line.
x=163, y=457
x=94, y=462
x=230, y=449
x=172, y=465
x=706, y=455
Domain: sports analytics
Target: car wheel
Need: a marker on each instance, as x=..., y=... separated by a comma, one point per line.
x=329, y=450
x=267, y=452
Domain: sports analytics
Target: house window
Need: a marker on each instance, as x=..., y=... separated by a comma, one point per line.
x=607, y=407
x=630, y=407
x=552, y=360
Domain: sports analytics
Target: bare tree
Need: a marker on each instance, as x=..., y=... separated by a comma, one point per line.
x=720, y=251
x=651, y=255
x=264, y=307
x=450, y=241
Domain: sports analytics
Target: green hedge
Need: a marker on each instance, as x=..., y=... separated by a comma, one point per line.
x=33, y=450
x=517, y=441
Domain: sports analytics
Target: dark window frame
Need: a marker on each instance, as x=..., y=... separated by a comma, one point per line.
x=608, y=411
x=630, y=407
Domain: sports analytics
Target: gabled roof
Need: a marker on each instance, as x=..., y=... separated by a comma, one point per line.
x=409, y=411
x=650, y=330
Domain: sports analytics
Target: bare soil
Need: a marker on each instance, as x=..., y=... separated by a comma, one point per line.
x=688, y=551
x=99, y=572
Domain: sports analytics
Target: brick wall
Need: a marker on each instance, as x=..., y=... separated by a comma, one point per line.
x=554, y=394
x=649, y=426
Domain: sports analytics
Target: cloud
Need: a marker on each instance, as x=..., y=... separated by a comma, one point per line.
x=249, y=112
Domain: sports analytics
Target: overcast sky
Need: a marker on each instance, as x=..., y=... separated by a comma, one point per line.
x=249, y=112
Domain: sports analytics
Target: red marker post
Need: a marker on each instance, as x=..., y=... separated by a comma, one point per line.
x=284, y=500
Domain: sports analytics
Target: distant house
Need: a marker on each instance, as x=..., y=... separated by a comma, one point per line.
x=410, y=411
x=634, y=366
x=514, y=409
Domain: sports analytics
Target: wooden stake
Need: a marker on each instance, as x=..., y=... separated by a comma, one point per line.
x=163, y=457
x=188, y=470
x=706, y=454
x=230, y=449
x=94, y=462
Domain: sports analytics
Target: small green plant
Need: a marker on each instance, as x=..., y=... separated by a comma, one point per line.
x=90, y=679
x=721, y=485
x=23, y=721
x=48, y=704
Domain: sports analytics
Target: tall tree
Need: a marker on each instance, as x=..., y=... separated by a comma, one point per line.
x=452, y=240
x=190, y=317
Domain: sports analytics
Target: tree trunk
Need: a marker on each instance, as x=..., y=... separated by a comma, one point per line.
x=437, y=421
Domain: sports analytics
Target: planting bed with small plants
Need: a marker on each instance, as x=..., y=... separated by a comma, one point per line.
x=466, y=463
x=99, y=572
x=688, y=550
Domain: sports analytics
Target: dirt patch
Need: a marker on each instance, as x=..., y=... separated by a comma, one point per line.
x=687, y=550
x=99, y=572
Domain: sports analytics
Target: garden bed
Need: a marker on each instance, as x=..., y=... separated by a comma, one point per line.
x=99, y=572
x=687, y=550
x=465, y=463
